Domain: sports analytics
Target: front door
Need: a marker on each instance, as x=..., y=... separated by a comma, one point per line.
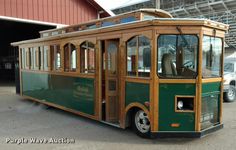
x=110, y=65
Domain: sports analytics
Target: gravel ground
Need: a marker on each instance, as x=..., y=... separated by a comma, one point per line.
x=23, y=122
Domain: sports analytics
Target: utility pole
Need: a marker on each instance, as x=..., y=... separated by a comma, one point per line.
x=158, y=4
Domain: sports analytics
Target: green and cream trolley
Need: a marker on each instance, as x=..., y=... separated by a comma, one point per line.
x=145, y=69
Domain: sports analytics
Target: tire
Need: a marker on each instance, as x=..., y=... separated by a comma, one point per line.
x=141, y=124
x=230, y=95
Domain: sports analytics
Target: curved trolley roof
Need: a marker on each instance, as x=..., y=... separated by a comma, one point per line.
x=139, y=18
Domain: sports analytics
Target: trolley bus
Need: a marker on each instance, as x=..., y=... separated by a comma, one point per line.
x=160, y=75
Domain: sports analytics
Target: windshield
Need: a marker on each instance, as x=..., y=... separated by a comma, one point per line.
x=211, y=59
x=229, y=67
x=177, y=56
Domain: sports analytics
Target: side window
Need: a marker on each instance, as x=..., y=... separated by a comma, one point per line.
x=70, y=53
x=128, y=19
x=32, y=59
x=23, y=58
x=41, y=58
x=46, y=58
x=87, y=57
x=138, y=56
x=211, y=56
x=27, y=56
x=55, y=57
x=36, y=58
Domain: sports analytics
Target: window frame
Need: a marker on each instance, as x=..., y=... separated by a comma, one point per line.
x=53, y=57
x=28, y=59
x=23, y=57
x=81, y=68
x=197, y=55
x=68, y=57
x=36, y=58
x=41, y=58
x=46, y=56
x=137, y=54
x=221, y=57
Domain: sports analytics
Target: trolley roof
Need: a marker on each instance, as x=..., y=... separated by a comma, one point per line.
x=139, y=18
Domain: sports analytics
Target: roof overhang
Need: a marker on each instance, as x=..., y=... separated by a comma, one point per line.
x=104, y=11
x=31, y=21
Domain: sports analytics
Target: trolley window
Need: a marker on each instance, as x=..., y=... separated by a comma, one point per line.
x=46, y=58
x=177, y=56
x=55, y=57
x=138, y=56
x=212, y=52
x=23, y=58
x=87, y=57
x=69, y=57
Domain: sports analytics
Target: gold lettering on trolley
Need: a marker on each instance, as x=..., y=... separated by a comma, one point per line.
x=82, y=91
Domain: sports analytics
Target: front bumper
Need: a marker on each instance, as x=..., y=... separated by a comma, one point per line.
x=187, y=134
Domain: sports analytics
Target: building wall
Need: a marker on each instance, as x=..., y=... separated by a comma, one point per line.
x=55, y=11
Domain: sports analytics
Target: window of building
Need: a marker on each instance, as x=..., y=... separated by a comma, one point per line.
x=70, y=57
x=138, y=56
x=87, y=57
x=55, y=57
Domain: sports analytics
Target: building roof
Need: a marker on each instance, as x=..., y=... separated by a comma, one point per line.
x=130, y=3
x=104, y=11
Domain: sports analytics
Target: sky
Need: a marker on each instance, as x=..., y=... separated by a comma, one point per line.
x=111, y=4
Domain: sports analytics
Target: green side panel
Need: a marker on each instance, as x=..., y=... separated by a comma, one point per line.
x=71, y=92
x=136, y=92
x=167, y=114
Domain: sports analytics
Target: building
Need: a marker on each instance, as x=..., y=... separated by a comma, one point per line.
x=23, y=19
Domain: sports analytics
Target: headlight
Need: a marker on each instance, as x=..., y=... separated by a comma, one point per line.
x=180, y=105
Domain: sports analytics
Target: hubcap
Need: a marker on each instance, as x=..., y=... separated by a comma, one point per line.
x=231, y=93
x=142, y=121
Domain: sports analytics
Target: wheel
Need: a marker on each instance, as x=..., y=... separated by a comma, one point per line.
x=230, y=95
x=141, y=124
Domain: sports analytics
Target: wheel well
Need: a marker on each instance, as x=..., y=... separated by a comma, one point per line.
x=232, y=83
x=129, y=114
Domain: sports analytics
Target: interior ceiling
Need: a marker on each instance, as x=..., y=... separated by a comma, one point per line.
x=218, y=10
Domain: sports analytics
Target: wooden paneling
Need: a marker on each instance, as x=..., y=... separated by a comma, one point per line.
x=56, y=11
